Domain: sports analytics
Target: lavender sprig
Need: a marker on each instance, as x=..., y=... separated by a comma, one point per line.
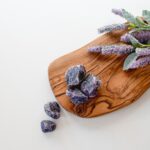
x=96, y=49
x=117, y=49
x=126, y=15
x=141, y=36
x=113, y=27
x=112, y=49
x=146, y=15
x=138, y=37
x=118, y=12
x=142, y=51
x=141, y=62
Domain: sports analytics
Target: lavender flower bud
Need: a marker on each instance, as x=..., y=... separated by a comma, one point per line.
x=118, y=12
x=96, y=49
x=142, y=51
x=112, y=49
x=117, y=49
x=141, y=36
x=113, y=27
x=141, y=62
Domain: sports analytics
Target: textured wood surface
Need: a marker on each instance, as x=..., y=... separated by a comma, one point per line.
x=119, y=88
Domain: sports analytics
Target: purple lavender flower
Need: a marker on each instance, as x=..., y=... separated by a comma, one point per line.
x=141, y=36
x=141, y=62
x=142, y=51
x=113, y=27
x=117, y=49
x=96, y=49
x=112, y=49
x=118, y=12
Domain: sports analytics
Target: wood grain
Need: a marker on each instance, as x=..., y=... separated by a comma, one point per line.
x=119, y=88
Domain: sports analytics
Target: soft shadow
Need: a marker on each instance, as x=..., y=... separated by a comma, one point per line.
x=113, y=118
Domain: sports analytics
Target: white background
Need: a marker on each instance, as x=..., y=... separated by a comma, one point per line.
x=32, y=34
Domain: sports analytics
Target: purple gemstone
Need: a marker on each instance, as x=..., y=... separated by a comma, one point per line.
x=48, y=126
x=75, y=75
x=77, y=97
x=90, y=86
x=52, y=109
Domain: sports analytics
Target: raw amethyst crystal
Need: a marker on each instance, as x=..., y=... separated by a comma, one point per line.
x=77, y=97
x=48, y=126
x=141, y=36
x=90, y=86
x=142, y=51
x=52, y=109
x=75, y=75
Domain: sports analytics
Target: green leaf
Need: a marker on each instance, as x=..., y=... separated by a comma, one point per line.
x=129, y=17
x=134, y=41
x=146, y=45
x=129, y=60
x=140, y=22
x=132, y=25
x=140, y=29
x=146, y=15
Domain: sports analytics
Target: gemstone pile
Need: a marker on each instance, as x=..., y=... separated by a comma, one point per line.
x=81, y=87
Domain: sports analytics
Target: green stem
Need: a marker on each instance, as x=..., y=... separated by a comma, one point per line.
x=145, y=45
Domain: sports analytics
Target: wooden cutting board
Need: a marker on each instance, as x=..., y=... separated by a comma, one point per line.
x=119, y=88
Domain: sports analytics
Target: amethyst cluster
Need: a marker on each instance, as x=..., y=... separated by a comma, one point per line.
x=81, y=87
x=52, y=109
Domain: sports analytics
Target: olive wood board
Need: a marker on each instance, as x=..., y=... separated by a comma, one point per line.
x=119, y=88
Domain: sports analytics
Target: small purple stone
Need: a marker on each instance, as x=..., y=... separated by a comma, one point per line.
x=90, y=86
x=47, y=126
x=75, y=75
x=77, y=97
x=52, y=109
